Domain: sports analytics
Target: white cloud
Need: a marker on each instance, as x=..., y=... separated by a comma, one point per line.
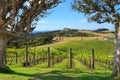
x=83, y=21
x=42, y=22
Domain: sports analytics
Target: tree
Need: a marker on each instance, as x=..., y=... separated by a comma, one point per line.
x=102, y=11
x=18, y=17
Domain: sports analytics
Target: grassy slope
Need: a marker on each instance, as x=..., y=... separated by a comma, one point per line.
x=59, y=72
x=99, y=35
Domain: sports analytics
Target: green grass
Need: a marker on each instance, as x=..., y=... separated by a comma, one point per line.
x=59, y=72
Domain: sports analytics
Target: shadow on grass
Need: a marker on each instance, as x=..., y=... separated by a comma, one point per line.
x=72, y=75
x=65, y=75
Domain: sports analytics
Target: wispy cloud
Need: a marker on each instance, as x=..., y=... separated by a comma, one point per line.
x=83, y=21
x=42, y=22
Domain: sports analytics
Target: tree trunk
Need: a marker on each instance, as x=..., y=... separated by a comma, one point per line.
x=2, y=52
x=3, y=42
x=116, y=65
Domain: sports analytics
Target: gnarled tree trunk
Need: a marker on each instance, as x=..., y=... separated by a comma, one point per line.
x=116, y=65
x=19, y=17
x=3, y=43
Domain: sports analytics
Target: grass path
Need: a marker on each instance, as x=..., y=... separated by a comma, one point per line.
x=59, y=72
x=79, y=72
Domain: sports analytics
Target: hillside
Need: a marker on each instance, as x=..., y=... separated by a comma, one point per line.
x=101, y=35
x=42, y=38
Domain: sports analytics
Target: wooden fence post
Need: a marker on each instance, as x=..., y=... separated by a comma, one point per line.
x=43, y=56
x=27, y=63
x=16, y=55
x=49, y=57
x=109, y=64
x=34, y=59
x=40, y=59
x=70, y=58
x=53, y=62
x=92, y=60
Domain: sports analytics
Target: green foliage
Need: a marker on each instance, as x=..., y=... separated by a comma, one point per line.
x=99, y=10
x=73, y=33
x=16, y=50
x=33, y=39
x=82, y=49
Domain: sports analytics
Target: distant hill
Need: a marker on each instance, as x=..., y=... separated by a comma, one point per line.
x=41, y=38
x=100, y=32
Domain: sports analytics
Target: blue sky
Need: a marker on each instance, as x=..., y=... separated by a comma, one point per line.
x=63, y=16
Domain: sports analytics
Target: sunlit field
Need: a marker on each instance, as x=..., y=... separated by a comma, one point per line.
x=81, y=50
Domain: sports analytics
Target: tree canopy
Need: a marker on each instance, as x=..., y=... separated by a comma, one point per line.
x=18, y=17
x=99, y=11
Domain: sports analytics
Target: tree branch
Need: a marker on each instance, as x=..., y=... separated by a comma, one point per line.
x=98, y=10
